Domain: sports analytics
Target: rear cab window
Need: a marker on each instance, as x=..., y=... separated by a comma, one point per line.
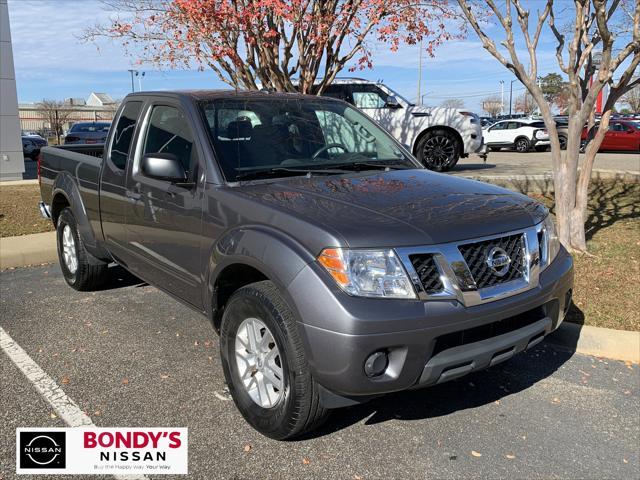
x=123, y=134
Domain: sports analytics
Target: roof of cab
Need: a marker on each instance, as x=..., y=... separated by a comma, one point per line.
x=199, y=95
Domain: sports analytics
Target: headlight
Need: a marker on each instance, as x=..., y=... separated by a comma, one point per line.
x=549, y=242
x=367, y=273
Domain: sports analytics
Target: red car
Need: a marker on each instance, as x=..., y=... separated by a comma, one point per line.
x=622, y=135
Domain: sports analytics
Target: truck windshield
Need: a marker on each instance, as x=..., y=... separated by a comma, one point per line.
x=267, y=137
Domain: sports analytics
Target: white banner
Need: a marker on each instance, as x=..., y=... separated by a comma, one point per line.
x=128, y=451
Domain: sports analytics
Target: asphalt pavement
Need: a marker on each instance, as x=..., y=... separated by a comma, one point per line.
x=131, y=356
x=509, y=163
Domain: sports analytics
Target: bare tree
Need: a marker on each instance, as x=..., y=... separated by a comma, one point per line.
x=632, y=98
x=590, y=54
x=56, y=114
x=492, y=105
x=453, y=103
x=525, y=104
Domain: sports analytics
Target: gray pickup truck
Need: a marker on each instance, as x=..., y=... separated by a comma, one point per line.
x=333, y=265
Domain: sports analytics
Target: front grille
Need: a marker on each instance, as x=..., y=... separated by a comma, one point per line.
x=428, y=273
x=475, y=254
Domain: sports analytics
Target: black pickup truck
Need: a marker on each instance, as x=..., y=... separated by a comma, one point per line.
x=333, y=265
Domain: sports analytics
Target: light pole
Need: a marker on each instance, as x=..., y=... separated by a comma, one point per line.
x=139, y=75
x=501, y=97
x=131, y=71
x=511, y=95
x=420, y=71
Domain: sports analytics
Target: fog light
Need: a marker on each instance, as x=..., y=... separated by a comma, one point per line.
x=376, y=364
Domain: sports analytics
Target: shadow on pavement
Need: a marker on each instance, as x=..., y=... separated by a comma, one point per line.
x=473, y=166
x=120, y=278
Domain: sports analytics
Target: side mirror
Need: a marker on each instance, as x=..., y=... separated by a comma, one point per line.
x=392, y=102
x=163, y=166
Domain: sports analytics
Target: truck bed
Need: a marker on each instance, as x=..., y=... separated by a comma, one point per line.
x=73, y=169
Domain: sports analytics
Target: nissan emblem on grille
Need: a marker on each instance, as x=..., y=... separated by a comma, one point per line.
x=498, y=261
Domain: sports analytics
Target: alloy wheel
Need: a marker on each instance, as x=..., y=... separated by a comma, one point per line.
x=522, y=146
x=69, y=251
x=259, y=363
x=438, y=151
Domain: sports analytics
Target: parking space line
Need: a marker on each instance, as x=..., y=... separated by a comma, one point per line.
x=65, y=407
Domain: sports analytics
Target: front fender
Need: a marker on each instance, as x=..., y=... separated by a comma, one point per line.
x=275, y=254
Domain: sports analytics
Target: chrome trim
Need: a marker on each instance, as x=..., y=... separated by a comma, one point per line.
x=45, y=211
x=457, y=279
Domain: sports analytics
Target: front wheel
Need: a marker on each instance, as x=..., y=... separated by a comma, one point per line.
x=439, y=150
x=80, y=269
x=265, y=366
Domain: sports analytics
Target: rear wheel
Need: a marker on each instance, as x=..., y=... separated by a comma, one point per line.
x=563, y=142
x=439, y=150
x=80, y=269
x=522, y=145
x=265, y=366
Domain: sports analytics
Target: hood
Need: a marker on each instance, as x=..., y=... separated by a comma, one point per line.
x=398, y=208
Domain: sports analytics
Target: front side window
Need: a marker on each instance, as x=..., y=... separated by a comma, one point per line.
x=499, y=126
x=336, y=91
x=295, y=134
x=124, y=134
x=368, y=96
x=169, y=132
x=617, y=127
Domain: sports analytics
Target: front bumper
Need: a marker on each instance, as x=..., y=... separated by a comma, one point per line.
x=427, y=342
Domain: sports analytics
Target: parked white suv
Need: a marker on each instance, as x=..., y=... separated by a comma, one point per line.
x=437, y=136
x=521, y=134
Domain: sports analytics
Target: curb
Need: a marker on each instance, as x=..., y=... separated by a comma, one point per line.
x=626, y=175
x=9, y=183
x=28, y=250
x=600, y=342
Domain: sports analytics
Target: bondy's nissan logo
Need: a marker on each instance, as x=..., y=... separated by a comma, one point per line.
x=498, y=261
x=42, y=449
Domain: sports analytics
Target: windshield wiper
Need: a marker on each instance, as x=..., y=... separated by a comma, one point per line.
x=374, y=166
x=258, y=173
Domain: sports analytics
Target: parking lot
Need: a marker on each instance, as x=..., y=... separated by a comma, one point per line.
x=507, y=163
x=131, y=356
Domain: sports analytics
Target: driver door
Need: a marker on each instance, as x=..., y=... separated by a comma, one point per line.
x=372, y=100
x=164, y=220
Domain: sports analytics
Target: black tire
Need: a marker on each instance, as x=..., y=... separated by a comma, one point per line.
x=298, y=409
x=563, y=142
x=90, y=272
x=522, y=145
x=439, y=150
x=583, y=146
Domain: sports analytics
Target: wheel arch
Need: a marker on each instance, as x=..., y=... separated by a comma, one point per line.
x=67, y=193
x=247, y=255
x=59, y=202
